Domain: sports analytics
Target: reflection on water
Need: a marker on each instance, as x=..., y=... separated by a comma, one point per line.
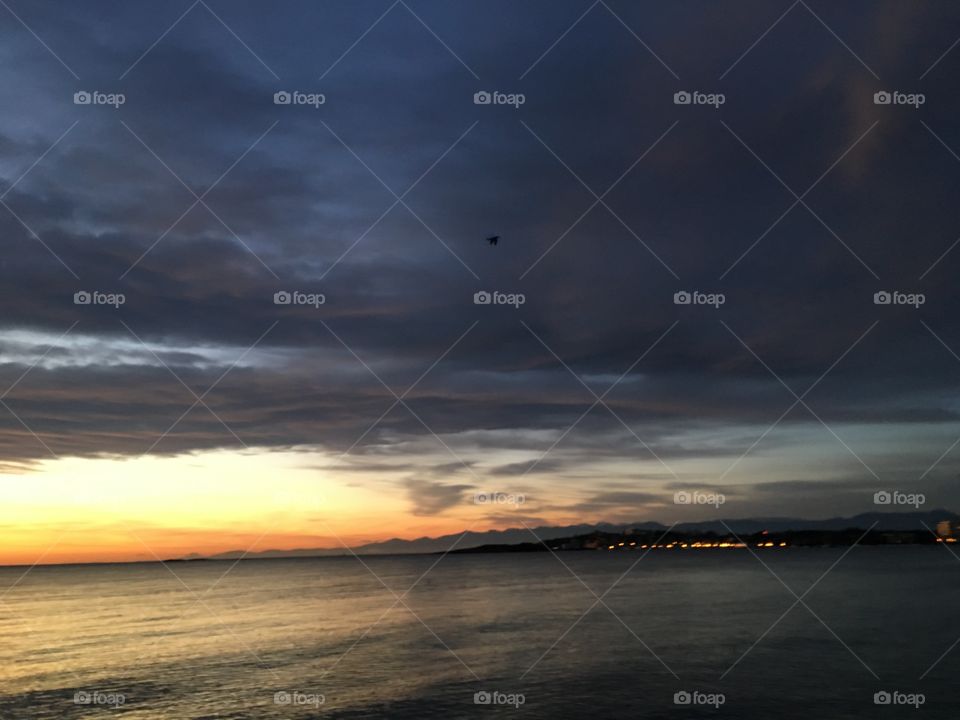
x=324, y=637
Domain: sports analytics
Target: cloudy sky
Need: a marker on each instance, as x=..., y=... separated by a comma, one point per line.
x=200, y=415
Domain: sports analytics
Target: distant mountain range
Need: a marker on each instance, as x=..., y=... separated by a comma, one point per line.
x=513, y=536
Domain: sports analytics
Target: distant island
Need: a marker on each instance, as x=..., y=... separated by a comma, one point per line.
x=671, y=540
x=885, y=528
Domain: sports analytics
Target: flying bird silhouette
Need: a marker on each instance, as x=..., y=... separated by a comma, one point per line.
x=493, y=240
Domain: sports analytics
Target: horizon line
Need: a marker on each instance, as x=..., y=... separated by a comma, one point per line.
x=349, y=551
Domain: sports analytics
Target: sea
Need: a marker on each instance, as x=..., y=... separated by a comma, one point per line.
x=831, y=633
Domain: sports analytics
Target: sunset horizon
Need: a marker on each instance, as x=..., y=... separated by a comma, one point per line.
x=581, y=358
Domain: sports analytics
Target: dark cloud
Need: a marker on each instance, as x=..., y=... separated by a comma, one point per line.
x=619, y=501
x=522, y=468
x=299, y=203
x=431, y=498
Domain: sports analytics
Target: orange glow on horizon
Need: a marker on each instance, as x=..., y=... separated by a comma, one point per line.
x=129, y=510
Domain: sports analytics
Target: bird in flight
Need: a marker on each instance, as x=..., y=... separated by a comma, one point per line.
x=493, y=240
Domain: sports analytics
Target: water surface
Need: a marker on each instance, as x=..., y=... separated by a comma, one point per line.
x=221, y=640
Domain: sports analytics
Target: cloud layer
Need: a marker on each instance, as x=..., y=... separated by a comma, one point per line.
x=199, y=198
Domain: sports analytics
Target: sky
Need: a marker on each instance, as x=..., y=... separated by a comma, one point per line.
x=184, y=410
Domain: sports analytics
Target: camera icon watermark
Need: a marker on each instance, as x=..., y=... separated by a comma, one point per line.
x=895, y=497
x=499, y=498
x=695, y=97
x=95, y=97
x=299, y=699
x=95, y=297
x=895, y=297
x=696, y=497
x=495, y=97
x=296, y=97
x=695, y=297
x=695, y=697
x=495, y=697
x=895, y=697
x=296, y=297
x=895, y=97
x=98, y=697
x=499, y=298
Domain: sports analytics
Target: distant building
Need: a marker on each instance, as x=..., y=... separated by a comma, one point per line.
x=946, y=529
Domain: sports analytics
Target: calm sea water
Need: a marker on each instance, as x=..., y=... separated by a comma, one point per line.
x=318, y=638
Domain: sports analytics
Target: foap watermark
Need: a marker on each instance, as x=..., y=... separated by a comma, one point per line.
x=499, y=498
x=495, y=97
x=297, y=97
x=895, y=497
x=297, y=698
x=98, y=697
x=895, y=697
x=296, y=297
x=495, y=697
x=895, y=97
x=499, y=298
x=696, y=497
x=695, y=297
x=95, y=297
x=695, y=97
x=95, y=97
x=895, y=297
x=695, y=697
